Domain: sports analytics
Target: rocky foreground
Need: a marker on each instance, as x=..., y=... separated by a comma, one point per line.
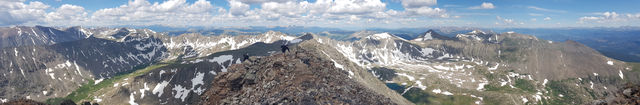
x=297, y=77
x=627, y=95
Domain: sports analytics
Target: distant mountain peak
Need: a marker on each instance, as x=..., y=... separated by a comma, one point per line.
x=431, y=34
x=477, y=32
x=382, y=36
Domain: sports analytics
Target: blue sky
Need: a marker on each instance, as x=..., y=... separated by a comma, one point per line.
x=323, y=13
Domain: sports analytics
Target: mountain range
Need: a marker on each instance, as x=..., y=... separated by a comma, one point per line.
x=115, y=66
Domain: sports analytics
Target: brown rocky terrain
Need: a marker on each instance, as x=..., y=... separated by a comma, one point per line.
x=297, y=77
x=627, y=95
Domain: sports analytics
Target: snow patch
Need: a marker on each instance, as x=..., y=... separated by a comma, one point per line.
x=420, y=85
x=132, y=100
x=181, y=92
x=380, y=36
x=447, y=93
x=146, y=88
x=159, y=88
x=97, y=99
x=610, y=62
x=437, y=91
x=98, y=81
x=295, y=41
x=221, y=59
x=16, y=51
x=197, y=81
x=620, y=74
x=495, y=67
x=481, y=86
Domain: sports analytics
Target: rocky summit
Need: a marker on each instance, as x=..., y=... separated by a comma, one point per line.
x=298, y=77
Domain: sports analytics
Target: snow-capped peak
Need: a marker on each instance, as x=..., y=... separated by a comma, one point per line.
x=380, y=36
x=477, y=32
x=426, y=36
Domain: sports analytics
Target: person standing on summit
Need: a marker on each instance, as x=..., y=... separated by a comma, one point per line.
x=284, y=48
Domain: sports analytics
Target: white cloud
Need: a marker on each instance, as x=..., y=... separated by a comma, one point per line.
x=610, y=17
x=17, y=12
x=417, y=8
x=237, y=8
x=288, y=9
x=418, y=3
x=426, y=11
x=484, y=5
x=546, y=10
x=142, y=12
x=356, y=6
x=589, y=18
x=239, y=13
x=547, y=18
x=634, y=16
x=67, y=14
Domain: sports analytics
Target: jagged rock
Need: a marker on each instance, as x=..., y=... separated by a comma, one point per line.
x=297, y=77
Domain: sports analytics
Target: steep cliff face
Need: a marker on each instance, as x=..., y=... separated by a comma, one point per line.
x=296, y=77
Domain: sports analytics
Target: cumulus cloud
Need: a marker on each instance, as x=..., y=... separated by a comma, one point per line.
x=484, y=5
x=239, y=13
x=415, y=8
x=142, y=12
x=67, y=14
x=426, y=11
x=17, y=12
x=610, y=17
x=418, y=3
x=356, y=6
x=547, y=18
x=237, y=8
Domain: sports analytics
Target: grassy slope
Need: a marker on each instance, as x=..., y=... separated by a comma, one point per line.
x=86, y=90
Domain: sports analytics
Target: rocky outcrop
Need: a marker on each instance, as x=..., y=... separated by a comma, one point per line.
x=297, y=77
x=627, y=95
